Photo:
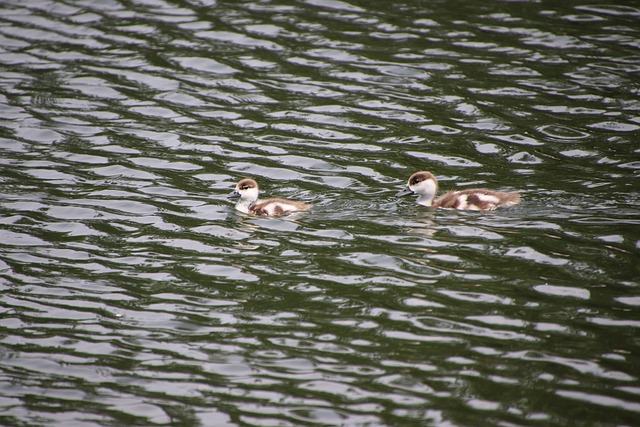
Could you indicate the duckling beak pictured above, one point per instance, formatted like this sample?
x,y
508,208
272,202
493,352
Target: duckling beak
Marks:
x,y
406,191
234,195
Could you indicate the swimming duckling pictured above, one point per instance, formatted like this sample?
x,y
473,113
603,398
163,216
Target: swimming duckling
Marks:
x,y
247,192
425,185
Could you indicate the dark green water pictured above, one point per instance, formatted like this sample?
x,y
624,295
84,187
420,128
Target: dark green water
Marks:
x,y
133,294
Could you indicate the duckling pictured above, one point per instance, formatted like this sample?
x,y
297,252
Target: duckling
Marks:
x,y
425,185
247,192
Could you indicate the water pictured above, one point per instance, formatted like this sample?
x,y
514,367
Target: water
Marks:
x,y
133,294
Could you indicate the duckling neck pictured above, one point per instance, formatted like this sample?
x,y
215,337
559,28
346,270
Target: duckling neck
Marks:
x,y
244,205
425,199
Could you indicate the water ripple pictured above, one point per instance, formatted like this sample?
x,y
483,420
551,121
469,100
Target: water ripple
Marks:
x,y
133,293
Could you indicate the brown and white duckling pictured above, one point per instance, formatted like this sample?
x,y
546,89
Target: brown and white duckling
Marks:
x,y
247,193
425,185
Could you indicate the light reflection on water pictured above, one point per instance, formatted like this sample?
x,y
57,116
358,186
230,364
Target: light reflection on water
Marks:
x,y
133,293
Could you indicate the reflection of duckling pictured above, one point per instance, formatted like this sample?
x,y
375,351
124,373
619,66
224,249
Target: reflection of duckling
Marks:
x,y
247,191
425,185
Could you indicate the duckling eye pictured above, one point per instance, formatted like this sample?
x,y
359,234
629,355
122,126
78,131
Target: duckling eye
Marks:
x,y
244,187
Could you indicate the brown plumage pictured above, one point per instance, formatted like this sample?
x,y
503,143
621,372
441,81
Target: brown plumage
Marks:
x,y
452,199
276,207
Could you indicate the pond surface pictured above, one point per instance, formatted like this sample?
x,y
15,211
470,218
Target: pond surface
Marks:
x,y
133,294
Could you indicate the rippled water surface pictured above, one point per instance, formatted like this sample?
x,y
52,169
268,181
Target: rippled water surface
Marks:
x,y
133,294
